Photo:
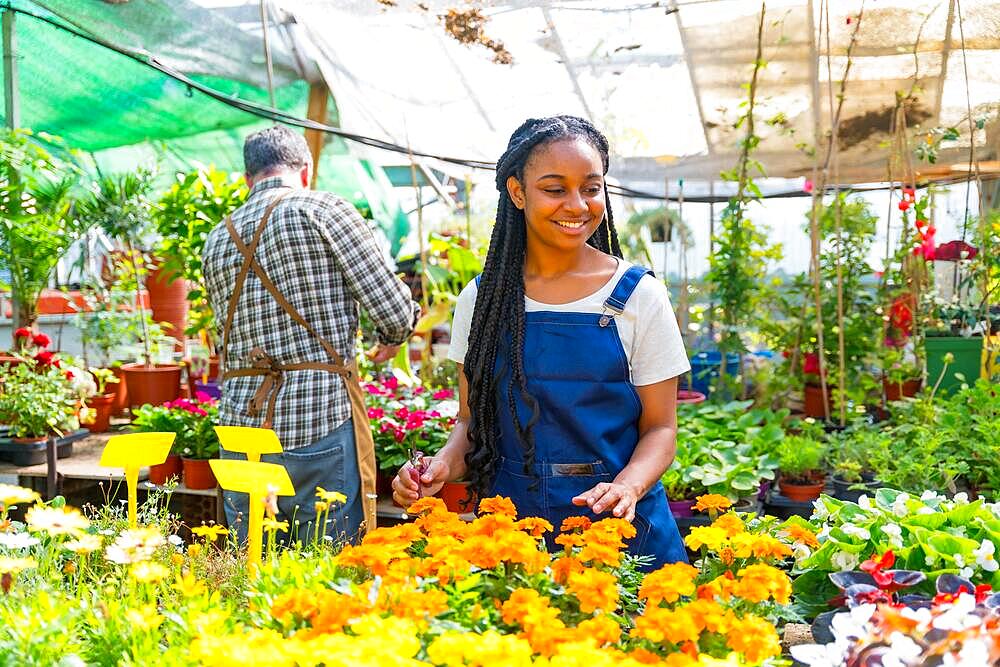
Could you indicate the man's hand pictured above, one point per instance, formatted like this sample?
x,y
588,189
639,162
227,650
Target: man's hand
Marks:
x,y
620,498
382,353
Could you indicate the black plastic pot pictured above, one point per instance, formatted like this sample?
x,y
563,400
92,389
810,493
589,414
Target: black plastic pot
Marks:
x,y
842,489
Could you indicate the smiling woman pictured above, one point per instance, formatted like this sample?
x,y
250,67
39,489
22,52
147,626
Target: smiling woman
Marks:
x,y
569,354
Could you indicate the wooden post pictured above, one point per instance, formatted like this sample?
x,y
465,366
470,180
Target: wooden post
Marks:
x,y
319,98
11,96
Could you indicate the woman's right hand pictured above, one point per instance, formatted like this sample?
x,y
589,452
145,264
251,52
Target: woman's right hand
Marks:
x,y
405,487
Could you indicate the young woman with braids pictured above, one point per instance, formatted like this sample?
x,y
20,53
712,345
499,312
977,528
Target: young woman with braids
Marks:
x,y
568,355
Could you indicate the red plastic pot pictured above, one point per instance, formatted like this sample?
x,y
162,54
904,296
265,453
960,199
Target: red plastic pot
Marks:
x,y
802,493
897,390
813,405
198,474
102,405
154,384
168,302
454,493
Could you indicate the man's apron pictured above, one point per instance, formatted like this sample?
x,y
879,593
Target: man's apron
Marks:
x,y
587,429
273,372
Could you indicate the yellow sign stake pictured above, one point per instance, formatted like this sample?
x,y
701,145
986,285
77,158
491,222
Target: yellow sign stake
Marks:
x,y
132,451
257,480
248,440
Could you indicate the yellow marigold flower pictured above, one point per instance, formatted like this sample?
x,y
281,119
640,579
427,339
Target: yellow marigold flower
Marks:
x,y
321,506
498,505
330,497
176,559
85,544
17,495
594,589
569,540
189,585
800,535
755,638
427,504
534,526
759,582
668,584
489,648
194,550
712,502
144,618
574,523
660,624
15,565
273,525
56,520
709,537
730,523
210,533
765,546
149,573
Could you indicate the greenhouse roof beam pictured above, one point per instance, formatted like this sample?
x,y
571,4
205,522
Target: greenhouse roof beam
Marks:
x,y
567,63
945,54
694,81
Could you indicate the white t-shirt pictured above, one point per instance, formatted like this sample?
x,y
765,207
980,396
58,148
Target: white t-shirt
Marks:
x,y
648,328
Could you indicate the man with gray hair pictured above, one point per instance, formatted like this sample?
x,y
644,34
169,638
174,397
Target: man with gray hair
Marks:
x,y
285,274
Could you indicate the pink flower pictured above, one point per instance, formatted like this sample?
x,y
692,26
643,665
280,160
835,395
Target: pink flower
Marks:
x,y
202,397
807,186
376,413
400,435
384,426
372,389
403,413
391,383
41,340
442,395
418,390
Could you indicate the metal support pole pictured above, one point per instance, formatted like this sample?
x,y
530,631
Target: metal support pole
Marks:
x,y
11,97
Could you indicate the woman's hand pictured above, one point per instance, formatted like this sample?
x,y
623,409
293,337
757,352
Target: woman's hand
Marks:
x,y
619,498
409,485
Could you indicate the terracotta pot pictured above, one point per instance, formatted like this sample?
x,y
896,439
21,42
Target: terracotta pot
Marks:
x,y
161,472
896,390
168,302
8,360
120,404
802,493
198,474
682,508
102,405
32,440
155,384
453,493
813,405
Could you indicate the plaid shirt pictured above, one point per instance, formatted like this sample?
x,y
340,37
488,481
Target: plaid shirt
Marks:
x,y
322,256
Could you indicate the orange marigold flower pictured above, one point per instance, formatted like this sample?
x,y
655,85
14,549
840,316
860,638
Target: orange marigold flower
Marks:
x,y
569,540
620,528
675,660
594,589
605,554
730,523
755,638
534,526
563,567
520,603
498,505
759,582
574,522
708,615
294,606
660,624
601,630
427,504
712,502
491,525
668,583
417,605
721,587
766,546
800,535
337,611
646,657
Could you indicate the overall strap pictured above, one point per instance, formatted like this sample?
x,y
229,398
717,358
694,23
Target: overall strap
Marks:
x,y
615,304
244,269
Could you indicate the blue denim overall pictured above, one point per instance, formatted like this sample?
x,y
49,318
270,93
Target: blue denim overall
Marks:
x,y
587,427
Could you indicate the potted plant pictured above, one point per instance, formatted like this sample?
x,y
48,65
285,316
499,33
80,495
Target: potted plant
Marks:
x,y
734,471
102,402
184,215
193,421
680,487
37,401
801,464
901,377
119,205
854,458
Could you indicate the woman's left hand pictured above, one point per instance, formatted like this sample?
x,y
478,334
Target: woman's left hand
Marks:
x,y
619,498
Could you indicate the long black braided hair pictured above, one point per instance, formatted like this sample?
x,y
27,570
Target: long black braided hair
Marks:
x,y
499,311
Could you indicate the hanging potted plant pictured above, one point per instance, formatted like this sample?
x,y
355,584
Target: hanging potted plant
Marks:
x,y
119,205
802,477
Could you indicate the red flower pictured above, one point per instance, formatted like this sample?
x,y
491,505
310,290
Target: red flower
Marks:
x,y
810,363
786,354
44,357
442,395
391,383
69,375
909,193
418,390
904,205
399,434
920,222
878,569
23,332
41,340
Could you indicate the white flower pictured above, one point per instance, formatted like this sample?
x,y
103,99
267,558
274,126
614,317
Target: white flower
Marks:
x,y
899,505
961,498
926,510
865,503
856,531
985,556
929,495
820,510
922,616
959,615
844,561
974,652
448,408
821,655
966,572
894,533
175,540
801,552
930,559
17,540
904,651
823,533
853,624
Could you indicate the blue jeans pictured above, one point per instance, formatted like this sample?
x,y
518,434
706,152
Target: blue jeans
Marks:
x,y
332,463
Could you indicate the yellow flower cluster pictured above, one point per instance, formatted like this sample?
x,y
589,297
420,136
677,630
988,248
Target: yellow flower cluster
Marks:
x,y
728,538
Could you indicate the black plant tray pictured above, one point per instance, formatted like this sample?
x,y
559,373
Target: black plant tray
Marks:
x,y
34,454
784,508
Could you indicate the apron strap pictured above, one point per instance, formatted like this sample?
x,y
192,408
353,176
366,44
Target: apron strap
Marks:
x,y
623,290
244,269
